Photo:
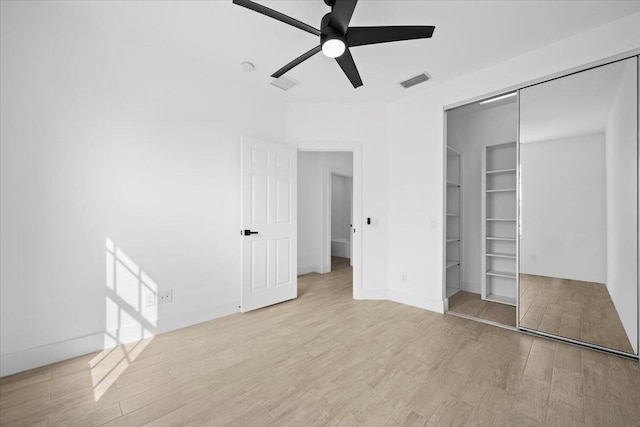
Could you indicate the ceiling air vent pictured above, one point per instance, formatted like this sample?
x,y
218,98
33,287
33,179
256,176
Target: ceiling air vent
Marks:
x,y
285,83
420,78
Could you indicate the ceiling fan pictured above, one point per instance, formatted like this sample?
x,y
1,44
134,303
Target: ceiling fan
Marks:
x,y
336,36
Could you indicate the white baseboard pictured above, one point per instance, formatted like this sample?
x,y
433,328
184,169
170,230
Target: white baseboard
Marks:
x,y
419,301
306,269
370,294
12,363
475,288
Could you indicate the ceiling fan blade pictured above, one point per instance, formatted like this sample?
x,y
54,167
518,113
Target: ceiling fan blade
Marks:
x,y
360,36
299,60
277,15
349,67
341,14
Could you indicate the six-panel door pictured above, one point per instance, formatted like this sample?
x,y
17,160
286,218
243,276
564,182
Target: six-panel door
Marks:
x,y
269,208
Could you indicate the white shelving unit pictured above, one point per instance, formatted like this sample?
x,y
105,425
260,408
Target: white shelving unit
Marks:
x,y
499,223
453,222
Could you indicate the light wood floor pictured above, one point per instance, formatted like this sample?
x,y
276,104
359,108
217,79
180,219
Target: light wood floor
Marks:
x,y
471,304
325,359
574,309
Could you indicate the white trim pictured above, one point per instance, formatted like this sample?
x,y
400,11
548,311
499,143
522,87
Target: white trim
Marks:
x,y
467,286
306,269
420,301
356,149
12,363
372,294
443,221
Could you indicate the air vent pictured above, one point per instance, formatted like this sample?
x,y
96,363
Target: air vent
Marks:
x,y
284,83
420,78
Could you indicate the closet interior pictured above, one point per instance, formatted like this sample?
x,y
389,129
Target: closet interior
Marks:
x,y
481,218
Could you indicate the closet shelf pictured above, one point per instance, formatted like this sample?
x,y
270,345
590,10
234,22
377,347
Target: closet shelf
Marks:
x,y
501,171
501,299
497,202
502,190
507,274
501,255
453,221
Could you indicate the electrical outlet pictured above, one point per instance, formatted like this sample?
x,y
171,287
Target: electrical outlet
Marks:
x,y
165,297
404,277
150,299
434,224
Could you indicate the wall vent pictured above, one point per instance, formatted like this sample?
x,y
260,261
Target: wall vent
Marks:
x,y
285,83
420,78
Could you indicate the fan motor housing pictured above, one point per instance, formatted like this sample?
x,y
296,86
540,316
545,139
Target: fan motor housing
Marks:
x,y
325,28
328,32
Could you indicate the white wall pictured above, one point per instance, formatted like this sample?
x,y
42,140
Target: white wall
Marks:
x,y
622,197
310,208
341,187
110,139
314,169
469,134
367,124
416,151
103,138
564,215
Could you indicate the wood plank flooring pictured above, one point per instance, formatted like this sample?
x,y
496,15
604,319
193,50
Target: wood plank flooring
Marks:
x,y
574,309
471,304
326,359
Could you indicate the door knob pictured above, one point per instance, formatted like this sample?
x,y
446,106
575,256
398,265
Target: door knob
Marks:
x,y
249,232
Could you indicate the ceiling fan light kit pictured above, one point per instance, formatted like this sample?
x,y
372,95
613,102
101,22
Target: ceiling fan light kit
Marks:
x,y
333,48
336,37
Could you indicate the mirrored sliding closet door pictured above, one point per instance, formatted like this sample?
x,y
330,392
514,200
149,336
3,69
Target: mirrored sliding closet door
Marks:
x,y
578,199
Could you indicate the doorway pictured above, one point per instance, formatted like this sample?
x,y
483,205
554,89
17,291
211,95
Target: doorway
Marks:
x,y
321,166
325,188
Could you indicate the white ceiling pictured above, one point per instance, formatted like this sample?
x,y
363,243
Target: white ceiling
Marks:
x,y
578,104
469,35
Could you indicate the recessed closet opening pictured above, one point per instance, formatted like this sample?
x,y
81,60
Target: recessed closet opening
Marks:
x,y
481,210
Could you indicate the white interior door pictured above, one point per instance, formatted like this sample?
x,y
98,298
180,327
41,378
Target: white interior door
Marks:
x,y
269,223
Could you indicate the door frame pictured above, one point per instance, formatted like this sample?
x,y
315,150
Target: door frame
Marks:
x,y
356,149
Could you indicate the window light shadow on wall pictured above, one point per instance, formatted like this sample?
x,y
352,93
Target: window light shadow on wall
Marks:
x,y
131,318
